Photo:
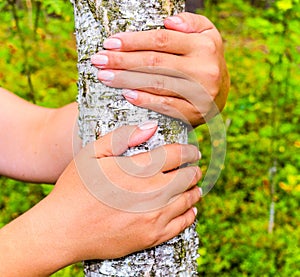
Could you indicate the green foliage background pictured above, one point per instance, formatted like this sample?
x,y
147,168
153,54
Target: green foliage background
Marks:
x,y
38,62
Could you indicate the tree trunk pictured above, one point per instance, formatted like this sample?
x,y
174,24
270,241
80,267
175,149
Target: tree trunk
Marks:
x,y
102,109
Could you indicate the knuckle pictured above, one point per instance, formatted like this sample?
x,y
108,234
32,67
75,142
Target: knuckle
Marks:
x,y
158,84
153,60
195,195
214,92
165,104
194,22
198,174
190,219
217,37
210,45
160,39
214,73
196,118
117,60
193,151
188,199
191,174
184,223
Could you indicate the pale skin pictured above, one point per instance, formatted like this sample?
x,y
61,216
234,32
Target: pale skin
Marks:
x,y
71,225
38,144
188,62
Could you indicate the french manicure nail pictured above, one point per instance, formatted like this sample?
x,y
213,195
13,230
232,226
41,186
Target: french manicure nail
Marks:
x,y
147,125
175,19
195,210
131,94
112,43
105,75
200,155
99,59
201,191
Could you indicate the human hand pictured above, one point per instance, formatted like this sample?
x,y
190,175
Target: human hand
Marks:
x,y
111,229
76,222
179,71
90,213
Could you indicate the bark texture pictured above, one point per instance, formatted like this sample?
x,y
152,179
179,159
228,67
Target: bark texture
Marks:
x,y
102,109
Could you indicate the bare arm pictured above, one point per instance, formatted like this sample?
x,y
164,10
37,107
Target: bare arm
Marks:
x,y
36,142
72,225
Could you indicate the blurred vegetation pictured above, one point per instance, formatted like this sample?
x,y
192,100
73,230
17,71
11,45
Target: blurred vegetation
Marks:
x,y
261,172
38,62
262,164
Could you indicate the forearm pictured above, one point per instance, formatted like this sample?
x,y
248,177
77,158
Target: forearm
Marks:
x,y
36,142
57,143
32,245
71,224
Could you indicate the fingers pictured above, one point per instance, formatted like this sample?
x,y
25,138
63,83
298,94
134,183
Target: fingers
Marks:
x,y
178,225
179,214
153,83
118,141
154,172
201,61
162,159
186,61
142,61
183,179
180,180
153,40
156,84
171,106
197,100
183,203
188,23
176,155
159,40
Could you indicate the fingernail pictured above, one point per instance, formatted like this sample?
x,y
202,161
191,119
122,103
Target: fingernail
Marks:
x,y
131,94
112,43
175,19
147,125
99,59
200,155
201,191
105,75
195,210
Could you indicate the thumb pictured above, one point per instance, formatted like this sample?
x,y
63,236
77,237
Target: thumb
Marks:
x,y
188,23
117,142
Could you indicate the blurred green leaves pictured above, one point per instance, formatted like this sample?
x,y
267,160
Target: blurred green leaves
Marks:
x,y
262,50
262,118
37,48
38,62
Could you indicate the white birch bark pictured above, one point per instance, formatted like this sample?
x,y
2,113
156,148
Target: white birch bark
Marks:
x,y
102,109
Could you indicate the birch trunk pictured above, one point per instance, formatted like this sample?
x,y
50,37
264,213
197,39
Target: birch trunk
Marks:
x,y
102,109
